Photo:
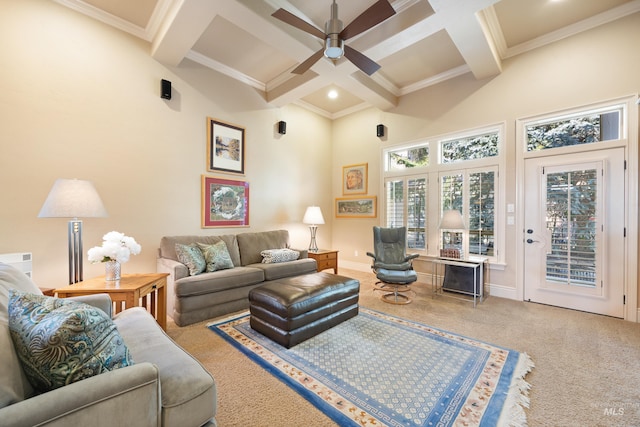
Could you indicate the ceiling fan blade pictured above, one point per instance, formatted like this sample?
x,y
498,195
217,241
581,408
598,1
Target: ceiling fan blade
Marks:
x,y
361,61
302,68
371,17
291,19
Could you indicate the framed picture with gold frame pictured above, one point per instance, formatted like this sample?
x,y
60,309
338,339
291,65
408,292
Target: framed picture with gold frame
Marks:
x,y
225,202
356,207
225,147
355,179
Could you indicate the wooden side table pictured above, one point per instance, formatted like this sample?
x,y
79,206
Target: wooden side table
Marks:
x,y
325,259
145,290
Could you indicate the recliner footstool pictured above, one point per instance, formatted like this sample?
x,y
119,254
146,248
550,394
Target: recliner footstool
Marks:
x,y
294,309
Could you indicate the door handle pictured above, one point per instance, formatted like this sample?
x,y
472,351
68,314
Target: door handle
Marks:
x,y
532,241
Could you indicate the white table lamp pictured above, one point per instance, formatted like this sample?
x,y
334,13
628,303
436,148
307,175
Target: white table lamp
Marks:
x,y
313,216
73,198
452,221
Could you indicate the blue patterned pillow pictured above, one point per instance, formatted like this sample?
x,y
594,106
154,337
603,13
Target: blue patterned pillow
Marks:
x,y
60,341
216,256
192,257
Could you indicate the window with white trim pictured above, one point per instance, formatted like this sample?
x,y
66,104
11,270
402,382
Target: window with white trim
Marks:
x,y
465,177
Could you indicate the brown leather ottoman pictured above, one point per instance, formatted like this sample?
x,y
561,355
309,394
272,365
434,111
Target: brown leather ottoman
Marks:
x,y
294,309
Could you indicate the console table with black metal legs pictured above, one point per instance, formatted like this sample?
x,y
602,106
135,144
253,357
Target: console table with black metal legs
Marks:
x,y
462,278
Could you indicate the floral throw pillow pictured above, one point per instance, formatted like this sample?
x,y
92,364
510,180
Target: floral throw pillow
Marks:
x,y
192,257
60,341
272,256
216,256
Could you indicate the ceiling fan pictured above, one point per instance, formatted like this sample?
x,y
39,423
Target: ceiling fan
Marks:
x,y
334,35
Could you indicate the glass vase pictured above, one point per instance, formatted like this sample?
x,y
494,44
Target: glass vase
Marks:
x,y
112,270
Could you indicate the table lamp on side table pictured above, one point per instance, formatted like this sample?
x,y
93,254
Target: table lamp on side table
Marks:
x,y
313,216
451,222
73,198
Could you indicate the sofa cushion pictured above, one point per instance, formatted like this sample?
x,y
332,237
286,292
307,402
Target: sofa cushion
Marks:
x,y
60,341
273,256
252,244
168,243
14,385
216,256
192,257
188,390
287,269
217,281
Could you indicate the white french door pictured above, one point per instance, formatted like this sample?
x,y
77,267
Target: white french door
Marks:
x,y
574,254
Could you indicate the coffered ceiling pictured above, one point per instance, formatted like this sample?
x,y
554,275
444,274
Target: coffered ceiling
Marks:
x,y
424,43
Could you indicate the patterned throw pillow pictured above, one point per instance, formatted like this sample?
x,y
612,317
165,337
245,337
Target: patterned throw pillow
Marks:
x,y
60,341
272,256
216,256
192,257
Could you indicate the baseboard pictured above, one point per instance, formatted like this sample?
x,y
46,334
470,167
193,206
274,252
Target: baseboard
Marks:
x,y
502,292
358,266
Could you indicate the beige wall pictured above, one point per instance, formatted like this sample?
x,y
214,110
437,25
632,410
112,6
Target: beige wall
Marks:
x,y
595,66
81,99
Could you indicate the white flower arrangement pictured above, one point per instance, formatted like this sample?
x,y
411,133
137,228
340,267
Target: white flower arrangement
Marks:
x,y
115,247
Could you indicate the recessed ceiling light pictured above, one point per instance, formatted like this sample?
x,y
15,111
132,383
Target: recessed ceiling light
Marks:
x,y
333,94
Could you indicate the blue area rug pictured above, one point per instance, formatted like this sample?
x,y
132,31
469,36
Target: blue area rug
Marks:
x,y
379,370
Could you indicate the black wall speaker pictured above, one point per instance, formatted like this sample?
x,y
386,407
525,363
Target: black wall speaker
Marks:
x,y
380,131
165,89
282,127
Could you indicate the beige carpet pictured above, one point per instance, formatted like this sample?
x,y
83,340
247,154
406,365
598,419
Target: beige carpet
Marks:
x,y
587,367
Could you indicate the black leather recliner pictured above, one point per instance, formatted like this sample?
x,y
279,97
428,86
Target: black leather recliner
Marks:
x,y
391,264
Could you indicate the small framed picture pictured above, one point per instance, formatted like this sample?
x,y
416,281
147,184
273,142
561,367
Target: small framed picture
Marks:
x,y
356,207
354,179
225,203
225,147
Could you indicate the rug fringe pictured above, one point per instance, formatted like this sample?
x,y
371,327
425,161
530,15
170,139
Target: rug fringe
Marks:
x,y
518,395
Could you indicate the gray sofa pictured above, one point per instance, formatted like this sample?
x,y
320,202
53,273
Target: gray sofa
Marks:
x,y
192,299
164,387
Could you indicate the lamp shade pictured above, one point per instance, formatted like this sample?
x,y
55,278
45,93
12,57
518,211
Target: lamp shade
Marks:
x,y
451,220
313,216
72,198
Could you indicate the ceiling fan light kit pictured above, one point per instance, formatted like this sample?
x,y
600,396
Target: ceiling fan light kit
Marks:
x,y
335,35
334,48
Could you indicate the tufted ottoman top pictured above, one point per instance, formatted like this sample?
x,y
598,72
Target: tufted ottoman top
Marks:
x,y
293,296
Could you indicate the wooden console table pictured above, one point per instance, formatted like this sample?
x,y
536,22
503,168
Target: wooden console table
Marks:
x,y
325,259
144,290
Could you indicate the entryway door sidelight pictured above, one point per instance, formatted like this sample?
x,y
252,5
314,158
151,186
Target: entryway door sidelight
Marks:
x,y
574,251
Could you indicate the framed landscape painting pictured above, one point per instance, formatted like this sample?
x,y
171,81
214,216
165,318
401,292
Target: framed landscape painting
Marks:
x,y
225,203
225,147
354,179
356,207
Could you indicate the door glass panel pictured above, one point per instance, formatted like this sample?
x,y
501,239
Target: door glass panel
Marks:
x,y
571,218
452,187
416,213
481,213
395,203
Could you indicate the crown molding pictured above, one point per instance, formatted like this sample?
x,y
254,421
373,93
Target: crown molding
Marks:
x,y
106,18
